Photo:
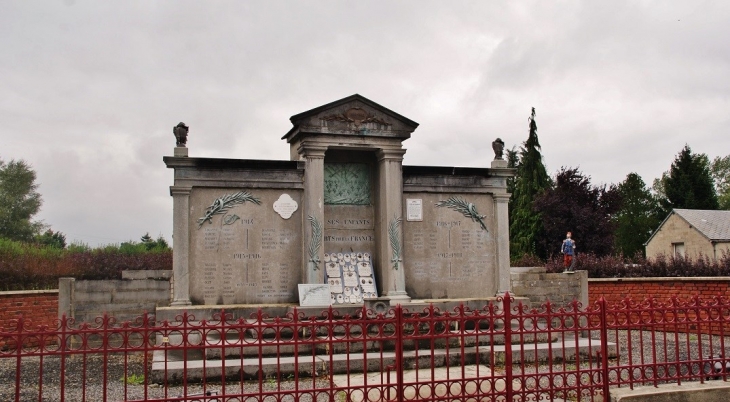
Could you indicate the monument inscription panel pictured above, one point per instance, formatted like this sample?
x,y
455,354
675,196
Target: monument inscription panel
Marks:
x,y
248,253
448,254
348,228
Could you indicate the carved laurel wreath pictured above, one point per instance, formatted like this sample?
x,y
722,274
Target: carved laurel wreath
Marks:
x,y
354,115
315,242
223,204
467,209
394,236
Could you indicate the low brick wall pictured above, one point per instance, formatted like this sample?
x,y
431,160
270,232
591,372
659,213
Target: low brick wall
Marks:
x,y
662,289
38,307
616,289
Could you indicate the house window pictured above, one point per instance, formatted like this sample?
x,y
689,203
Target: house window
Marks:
x,y
678,249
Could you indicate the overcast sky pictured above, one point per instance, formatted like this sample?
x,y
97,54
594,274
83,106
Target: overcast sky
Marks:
x,y
90,90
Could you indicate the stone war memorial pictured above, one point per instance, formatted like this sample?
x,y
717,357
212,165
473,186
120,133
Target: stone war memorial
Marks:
x,y
342,223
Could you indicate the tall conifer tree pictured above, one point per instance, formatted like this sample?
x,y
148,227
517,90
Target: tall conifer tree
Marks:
x,y
531,180
689,183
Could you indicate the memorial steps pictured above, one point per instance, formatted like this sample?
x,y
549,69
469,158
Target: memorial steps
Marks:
x,y
256,349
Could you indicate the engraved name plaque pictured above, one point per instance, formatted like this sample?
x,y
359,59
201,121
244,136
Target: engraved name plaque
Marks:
x,y
314,294
414,210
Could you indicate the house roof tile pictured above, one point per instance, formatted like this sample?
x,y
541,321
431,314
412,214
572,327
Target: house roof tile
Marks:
x,y
715,225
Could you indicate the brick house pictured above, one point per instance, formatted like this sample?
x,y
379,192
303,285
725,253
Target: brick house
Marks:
x,y
691,232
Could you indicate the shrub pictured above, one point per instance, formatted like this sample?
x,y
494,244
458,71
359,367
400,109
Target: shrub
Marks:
x,y
31,266
638,266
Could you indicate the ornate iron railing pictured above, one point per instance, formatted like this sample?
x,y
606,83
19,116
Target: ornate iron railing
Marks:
x,y
503,351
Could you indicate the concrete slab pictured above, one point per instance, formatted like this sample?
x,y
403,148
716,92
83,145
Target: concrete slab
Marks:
x,y
468,383
710,391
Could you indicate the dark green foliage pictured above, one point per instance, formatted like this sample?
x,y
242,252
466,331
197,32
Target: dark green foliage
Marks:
x,y
532,179
19,201
720,168
51,239
689,183
638,217
639,267
574,205
513,161
25,266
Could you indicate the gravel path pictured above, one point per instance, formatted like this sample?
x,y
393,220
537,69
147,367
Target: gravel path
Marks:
x,y
94,386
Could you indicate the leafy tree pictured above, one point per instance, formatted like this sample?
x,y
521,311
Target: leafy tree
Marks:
x,y
19,201
532,179
689,183
146,244
149,244
720,169
51,239
574,205
639,215
161,243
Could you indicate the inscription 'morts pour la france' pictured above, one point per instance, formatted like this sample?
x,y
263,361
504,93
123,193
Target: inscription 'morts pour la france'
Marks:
x,y
349,238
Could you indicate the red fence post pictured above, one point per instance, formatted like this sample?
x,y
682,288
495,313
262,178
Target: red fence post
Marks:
x,y
398,352
507,308
19,354
62,349
604,347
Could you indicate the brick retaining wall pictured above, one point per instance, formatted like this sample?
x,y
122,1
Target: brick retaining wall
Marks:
x,y
40,307
615,289
662,289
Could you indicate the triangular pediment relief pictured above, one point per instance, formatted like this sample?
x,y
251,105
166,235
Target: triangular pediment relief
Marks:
x,y
354,115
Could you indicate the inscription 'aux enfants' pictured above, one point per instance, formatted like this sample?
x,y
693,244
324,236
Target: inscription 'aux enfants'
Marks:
x,y
337,222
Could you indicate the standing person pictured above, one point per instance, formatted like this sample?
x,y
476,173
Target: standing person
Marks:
x,y
568,250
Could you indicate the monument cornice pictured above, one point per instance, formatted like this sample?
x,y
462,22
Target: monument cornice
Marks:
x,y
501,197
180,190
502,172
312,150
390,154
223,163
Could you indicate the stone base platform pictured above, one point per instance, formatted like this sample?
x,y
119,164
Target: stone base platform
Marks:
x,y
380,304
174,370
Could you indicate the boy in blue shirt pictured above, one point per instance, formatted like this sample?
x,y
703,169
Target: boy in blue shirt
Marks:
x,y
568,250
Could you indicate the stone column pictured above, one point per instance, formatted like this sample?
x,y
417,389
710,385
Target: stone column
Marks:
x,y
501,218
180,245
313,248
389,219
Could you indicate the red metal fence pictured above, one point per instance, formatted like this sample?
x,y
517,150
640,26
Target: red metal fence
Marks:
x,y
504,351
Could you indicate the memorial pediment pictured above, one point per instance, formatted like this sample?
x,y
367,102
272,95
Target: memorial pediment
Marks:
x,y
351,116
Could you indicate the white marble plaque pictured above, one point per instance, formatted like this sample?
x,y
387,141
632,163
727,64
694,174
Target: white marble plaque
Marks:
x,y
314,294
368,287
364,269
333,270
285,206
351,279
414,209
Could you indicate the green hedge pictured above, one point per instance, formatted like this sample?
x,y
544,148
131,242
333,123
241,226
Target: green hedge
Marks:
x,y
639,267
28,266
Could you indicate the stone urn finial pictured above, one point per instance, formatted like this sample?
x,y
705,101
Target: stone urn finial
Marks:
x,y
498,147
181,134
